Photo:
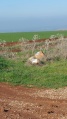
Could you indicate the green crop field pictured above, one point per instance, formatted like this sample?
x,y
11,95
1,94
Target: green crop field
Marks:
x,y
9,37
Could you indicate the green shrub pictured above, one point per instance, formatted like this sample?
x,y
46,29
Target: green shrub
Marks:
x,y
3,63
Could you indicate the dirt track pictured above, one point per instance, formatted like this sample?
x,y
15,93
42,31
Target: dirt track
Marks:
x,y
18,102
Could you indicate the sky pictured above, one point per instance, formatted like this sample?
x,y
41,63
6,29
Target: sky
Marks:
x,y
32,15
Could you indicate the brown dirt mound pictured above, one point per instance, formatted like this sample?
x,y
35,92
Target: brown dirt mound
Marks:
x,y
18,102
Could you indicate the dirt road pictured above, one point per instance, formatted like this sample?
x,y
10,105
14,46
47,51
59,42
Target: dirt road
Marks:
x,y
18,102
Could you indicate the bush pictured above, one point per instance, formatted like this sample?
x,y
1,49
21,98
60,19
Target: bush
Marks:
x,y
4,64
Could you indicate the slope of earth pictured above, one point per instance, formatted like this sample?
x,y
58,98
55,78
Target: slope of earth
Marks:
x,y
18,102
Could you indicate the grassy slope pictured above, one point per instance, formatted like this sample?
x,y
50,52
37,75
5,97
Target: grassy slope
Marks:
x,y
29,35
51,75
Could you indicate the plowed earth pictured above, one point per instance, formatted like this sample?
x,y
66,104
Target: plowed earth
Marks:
x,y
19,102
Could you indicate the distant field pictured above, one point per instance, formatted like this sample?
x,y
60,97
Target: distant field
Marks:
x,y
29,35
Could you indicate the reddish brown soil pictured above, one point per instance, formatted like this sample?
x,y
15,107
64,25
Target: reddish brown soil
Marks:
x,y
15,43
9,44
30,41
18,102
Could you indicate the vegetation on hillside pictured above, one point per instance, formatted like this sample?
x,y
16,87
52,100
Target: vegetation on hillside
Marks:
x,y
52,74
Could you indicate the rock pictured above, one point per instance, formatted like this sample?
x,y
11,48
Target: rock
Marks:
x,y
33,60
38,58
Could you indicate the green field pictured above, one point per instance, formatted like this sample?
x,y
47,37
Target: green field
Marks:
x,y
29,35
51,75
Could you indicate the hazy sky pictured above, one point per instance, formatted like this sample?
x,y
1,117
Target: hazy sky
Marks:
x,y
32,15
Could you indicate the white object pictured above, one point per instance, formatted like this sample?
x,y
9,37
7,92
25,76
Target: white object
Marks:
x,y
32,60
